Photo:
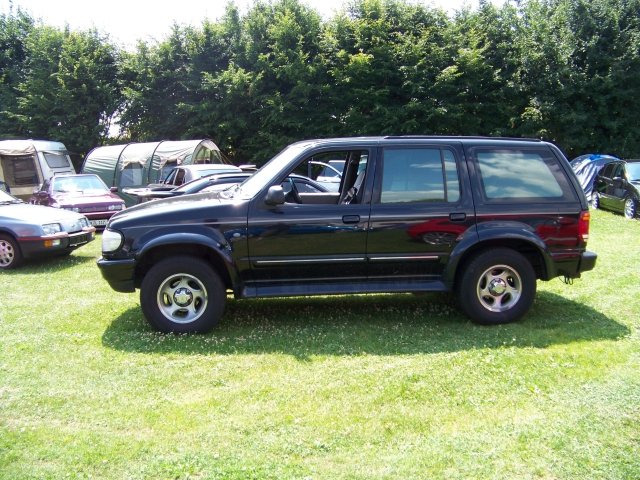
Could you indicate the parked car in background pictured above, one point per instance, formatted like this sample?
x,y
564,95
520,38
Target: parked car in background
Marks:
x,y
179,176
327,172
32,231
81,193
292,186
587,167
617,188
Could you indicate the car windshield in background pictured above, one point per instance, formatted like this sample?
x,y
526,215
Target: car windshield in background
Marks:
x,y
633,171
80,183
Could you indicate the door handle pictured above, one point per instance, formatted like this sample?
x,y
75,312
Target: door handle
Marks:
x,y
457,217
350,219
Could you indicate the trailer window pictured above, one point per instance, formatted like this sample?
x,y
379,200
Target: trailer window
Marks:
x,y
56,160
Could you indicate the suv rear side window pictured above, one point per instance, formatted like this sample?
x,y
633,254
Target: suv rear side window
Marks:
x,y
509,174
419,175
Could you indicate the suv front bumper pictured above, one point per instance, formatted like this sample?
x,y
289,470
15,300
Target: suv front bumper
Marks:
x,y
118,273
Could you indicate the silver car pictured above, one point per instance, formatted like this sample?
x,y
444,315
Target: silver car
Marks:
x,y
33,231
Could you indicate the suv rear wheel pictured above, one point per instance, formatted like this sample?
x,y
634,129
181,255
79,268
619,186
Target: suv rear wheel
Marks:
x,y
182,294
497,286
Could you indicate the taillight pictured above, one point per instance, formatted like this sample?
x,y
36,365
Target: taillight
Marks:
x,y
583,225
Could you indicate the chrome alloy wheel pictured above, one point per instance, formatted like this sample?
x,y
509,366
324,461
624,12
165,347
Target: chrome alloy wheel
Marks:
x,y
7,253
629,208
499,288
182,298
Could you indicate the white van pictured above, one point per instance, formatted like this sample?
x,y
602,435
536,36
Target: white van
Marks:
x,y
25,164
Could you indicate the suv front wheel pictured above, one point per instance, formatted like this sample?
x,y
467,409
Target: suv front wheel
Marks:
x,y
497,286
182,294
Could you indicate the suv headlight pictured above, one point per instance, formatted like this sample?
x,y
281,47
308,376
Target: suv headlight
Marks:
x,y
111,240
51,228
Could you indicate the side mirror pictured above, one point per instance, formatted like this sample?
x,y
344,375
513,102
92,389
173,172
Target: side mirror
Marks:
x,y
113,189
275,195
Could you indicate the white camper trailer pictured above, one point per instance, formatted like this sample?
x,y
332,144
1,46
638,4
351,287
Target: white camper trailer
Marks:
x,y
25,164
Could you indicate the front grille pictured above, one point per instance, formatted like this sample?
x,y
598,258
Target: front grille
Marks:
x,y
79,239
99,208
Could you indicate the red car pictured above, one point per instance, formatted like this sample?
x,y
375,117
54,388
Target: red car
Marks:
x,y
82,193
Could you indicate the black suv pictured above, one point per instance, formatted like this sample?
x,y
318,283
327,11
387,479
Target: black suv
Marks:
x,y
481,217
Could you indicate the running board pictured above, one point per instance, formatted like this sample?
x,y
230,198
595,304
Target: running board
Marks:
x,y
263,289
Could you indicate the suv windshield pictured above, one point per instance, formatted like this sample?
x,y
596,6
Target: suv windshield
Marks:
x,y
256,182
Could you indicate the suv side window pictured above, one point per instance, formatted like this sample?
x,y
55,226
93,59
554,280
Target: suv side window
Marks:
x,y
510,174
419,175
345,187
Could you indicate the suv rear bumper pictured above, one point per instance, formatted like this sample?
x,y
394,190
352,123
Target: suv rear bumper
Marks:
x,y
118,273
587,261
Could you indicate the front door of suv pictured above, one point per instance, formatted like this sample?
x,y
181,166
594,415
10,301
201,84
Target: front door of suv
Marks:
x,y
420,211
311,237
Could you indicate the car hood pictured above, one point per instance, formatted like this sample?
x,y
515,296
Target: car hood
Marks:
x,y
36,213
88,199
183,208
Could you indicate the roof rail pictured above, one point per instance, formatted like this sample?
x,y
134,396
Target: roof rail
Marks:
x,y
472,137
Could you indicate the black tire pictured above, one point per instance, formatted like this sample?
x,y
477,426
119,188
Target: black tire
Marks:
x,y
497,286
182,294
595,201
630,208
10,254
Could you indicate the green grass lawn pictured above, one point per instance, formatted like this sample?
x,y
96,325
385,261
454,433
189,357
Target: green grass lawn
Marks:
x,y
360,387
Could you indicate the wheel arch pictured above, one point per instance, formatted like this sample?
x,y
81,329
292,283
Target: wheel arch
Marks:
x,y
529,248
216,254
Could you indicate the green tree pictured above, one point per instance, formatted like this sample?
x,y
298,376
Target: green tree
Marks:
x,y
14,31
157,83
69,88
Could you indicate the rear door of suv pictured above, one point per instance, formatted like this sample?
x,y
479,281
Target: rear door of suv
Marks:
x,y
421,208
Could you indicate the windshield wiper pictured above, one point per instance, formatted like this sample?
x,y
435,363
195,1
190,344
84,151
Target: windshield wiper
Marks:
x,y
231,191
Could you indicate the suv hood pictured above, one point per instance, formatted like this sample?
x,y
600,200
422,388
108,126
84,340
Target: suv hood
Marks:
x,y
174,210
